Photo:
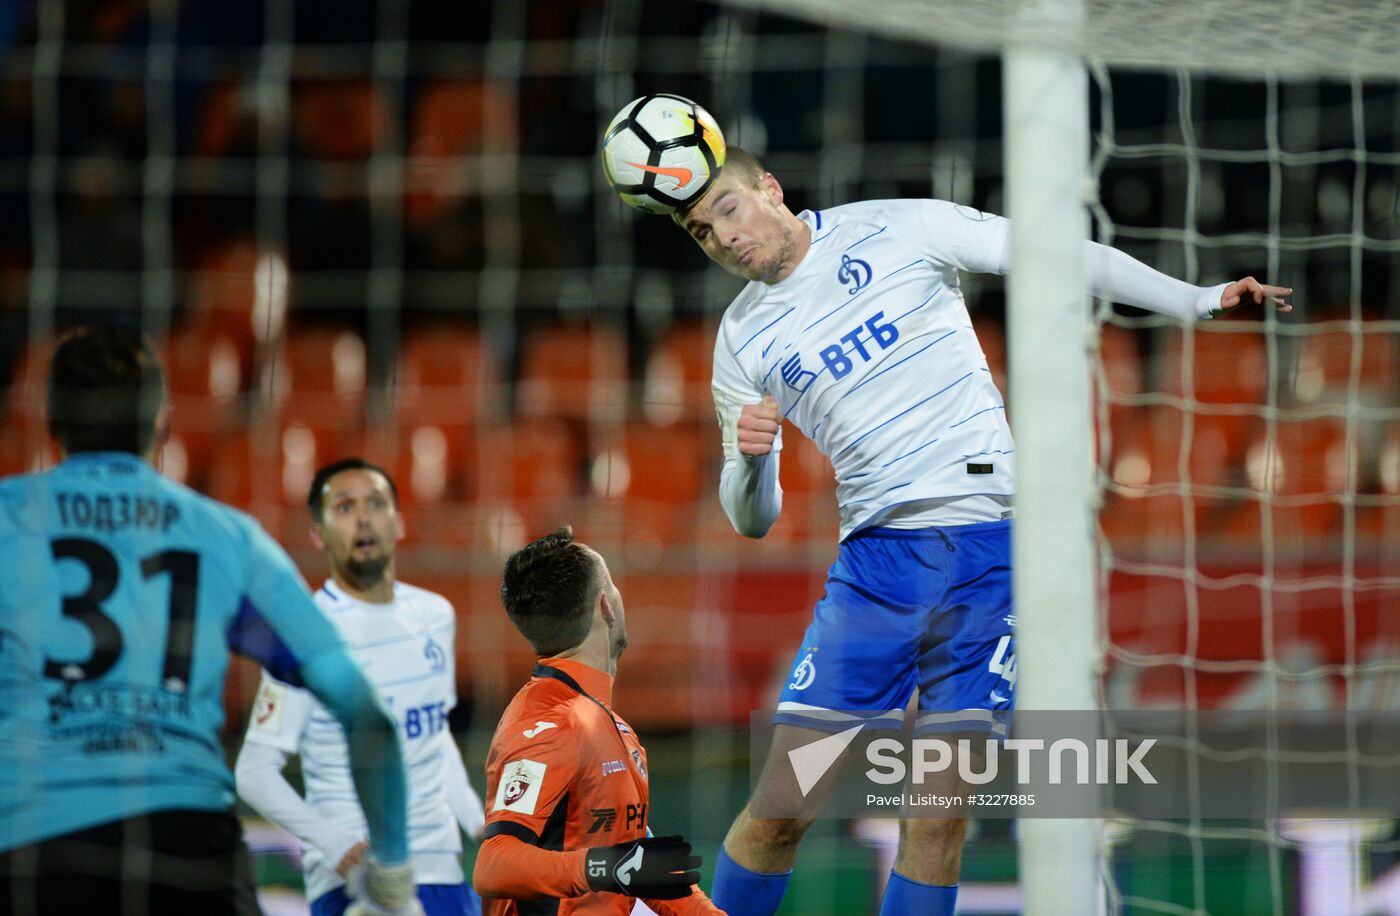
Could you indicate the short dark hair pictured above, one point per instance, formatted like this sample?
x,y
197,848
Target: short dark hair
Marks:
x,y
106,389
739,160
323,476
548,590
736,160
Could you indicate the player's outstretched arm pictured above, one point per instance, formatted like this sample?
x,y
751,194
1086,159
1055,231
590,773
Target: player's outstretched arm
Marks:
x,y
1119,277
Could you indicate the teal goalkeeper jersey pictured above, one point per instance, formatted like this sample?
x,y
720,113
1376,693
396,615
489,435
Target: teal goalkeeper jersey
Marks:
x,y
121,594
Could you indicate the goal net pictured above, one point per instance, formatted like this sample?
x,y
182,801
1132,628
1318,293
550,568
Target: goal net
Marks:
x,y
381,229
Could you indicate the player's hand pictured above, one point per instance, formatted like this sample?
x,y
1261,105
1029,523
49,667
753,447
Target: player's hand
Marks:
x,y
385,890
1249,290
661,868
352,858
758,427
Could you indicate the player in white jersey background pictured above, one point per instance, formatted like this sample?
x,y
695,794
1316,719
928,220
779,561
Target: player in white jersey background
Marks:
x,y
403,637
854,329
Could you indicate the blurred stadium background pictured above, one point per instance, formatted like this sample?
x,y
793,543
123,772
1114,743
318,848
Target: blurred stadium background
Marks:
x,y
380,228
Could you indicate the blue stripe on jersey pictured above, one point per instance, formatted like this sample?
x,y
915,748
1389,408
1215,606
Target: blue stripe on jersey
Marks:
x,y
898,486
931,297
817,214
866,239
870,378
907,454
993,452
322,763
977,414
884,423
409,680
403,637
769,347
251,635
764,328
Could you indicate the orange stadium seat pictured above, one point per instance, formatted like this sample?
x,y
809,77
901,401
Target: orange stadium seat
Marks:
x,y
1149,446
650,478
809,493
206,374
1380,523
319,380
1304,475
535,472
450,118
991,334
576,371
446,377
1229,363
27,445
670,665
1229,367
340,120
1329,357
230,299
677,383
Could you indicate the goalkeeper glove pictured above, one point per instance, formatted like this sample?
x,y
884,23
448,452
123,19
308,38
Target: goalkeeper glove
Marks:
x,y
384,890
661,868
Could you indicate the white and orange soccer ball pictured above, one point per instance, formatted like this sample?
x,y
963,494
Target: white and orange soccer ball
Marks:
x,y
661,152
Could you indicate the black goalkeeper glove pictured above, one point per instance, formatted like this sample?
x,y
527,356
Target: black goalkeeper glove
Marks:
x,y
661,868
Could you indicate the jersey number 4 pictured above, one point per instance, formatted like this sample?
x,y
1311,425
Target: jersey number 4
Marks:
x,y
86,609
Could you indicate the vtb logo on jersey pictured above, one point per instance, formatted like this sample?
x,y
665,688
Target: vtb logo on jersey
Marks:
x,y
794,376
855,272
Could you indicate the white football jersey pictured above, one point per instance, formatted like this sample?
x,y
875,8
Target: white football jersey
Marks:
x,y
868,349
406,650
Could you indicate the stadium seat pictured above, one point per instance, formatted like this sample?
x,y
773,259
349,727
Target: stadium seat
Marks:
x,y
535,471
1379,523
450,118
446,377
234,296
340,120
653,476
1328,357
27,445
206,373
1229,363
809,494
1144,505
674,647
1303,472
991,333
677,382
319,380
575,371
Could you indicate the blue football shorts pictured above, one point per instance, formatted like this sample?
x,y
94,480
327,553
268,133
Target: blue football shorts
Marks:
x,y
905,609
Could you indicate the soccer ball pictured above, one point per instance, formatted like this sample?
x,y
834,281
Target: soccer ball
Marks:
x,y
662,152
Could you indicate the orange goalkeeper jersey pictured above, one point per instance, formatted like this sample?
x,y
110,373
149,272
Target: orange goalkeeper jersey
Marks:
x,y
564,774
